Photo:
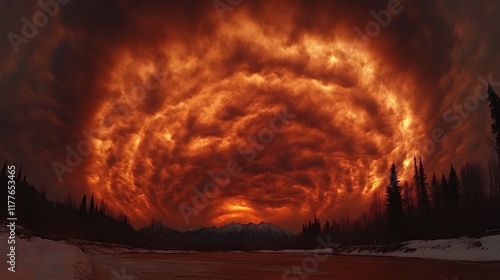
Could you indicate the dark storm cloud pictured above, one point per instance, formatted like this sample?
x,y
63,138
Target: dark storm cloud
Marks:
x,y
218,82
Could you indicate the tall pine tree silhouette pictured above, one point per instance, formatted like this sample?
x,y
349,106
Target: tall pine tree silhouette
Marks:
x,y
83,205
454,202
453,188
422,186
92,205
444,189
495,115
423,199
394,205
436,191
417,180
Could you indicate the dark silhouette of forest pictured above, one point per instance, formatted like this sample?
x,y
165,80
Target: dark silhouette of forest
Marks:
x,y
93,221
462,202
57,220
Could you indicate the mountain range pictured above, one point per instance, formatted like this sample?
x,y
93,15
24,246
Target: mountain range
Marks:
x,y
234,236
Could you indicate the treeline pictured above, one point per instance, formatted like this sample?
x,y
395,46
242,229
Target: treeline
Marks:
x,y
459,204
89,220
463,203
57,220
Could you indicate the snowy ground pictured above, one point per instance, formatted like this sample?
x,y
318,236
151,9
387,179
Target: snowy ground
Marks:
x,y
314,251
38,258
483,249
97,248
42,259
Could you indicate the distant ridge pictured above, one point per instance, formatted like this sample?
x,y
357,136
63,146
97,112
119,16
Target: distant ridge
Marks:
x,y
233,236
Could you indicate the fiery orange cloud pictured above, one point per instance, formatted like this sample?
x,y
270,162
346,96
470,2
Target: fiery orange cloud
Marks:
x,y
330,152
171,92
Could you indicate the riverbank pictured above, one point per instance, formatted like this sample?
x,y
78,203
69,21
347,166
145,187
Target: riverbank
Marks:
x,y
484,249
76,259
37,258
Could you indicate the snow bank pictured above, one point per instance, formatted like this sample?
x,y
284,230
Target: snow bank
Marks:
x,y
291,251
97,248
38,258
483,249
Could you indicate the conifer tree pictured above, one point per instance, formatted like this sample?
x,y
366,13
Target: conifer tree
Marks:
x,y
494,104
453,188
444,189
394,204
417,180
436,191
423,199
92,205
83,205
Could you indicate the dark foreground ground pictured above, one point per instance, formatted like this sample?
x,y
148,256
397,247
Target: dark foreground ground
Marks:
x,y
216,265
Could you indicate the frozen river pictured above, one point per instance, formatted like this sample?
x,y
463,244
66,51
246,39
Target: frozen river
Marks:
x,y
234,265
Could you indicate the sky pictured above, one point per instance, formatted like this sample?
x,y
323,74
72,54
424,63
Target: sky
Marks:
x,y
200,113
